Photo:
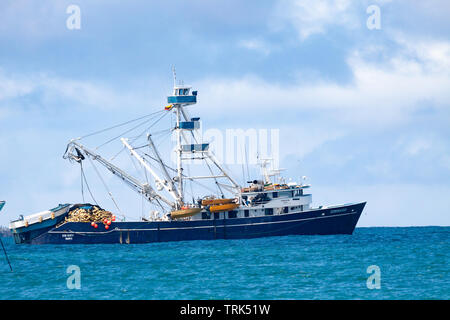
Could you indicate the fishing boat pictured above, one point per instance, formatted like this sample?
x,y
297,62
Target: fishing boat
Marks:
x,y
263,207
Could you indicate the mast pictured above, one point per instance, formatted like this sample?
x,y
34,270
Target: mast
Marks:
x,y
174,76
179,165
180,98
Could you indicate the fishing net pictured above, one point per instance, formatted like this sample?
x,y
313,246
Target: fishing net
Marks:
x,y
88,213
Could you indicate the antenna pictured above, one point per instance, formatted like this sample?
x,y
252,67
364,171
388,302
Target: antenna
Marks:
x,y
174,76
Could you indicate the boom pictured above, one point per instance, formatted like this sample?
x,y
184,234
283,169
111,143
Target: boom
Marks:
x,y
76,151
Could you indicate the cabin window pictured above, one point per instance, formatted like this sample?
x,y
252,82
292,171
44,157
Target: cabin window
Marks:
x,y
186,91
246,213
275,195
268,211
285,194
286,209
206,215
232,214
216,215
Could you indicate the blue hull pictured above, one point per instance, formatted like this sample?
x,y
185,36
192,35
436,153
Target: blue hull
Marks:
x,y
335,220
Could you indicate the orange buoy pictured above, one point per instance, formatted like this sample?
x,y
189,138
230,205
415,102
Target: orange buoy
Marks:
x,y
106,227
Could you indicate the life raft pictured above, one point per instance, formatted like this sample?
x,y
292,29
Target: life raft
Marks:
x,y
211,202
184,213
223,207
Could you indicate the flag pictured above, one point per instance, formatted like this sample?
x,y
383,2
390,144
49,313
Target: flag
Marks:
x,y
169,107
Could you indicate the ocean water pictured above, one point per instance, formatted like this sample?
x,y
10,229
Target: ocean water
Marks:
x,y
413,264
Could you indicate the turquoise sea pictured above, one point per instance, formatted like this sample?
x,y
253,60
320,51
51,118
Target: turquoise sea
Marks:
x,y
413,264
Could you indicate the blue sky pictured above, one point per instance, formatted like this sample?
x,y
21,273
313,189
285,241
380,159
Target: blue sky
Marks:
x,y
364,114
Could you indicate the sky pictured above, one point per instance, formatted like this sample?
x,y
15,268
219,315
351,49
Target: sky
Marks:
x,y
363,113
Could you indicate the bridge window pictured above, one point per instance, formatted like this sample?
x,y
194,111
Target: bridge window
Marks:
x,y
206,215
232,214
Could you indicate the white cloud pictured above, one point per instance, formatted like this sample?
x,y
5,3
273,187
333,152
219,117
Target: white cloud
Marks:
x,y
49,91
419,145
255,45
432,53
315,16
377,95
10,88
382,93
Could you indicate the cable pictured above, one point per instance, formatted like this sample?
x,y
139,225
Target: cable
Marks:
x,y
110,140
106,187
119,125
81,178
87,185
6,255
123,148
